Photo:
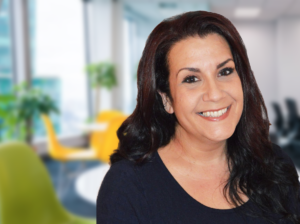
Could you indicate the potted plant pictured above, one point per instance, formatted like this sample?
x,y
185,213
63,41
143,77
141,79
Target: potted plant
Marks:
x,y
29,103
101,74
8,118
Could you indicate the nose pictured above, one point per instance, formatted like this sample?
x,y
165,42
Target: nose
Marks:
x,y
213,91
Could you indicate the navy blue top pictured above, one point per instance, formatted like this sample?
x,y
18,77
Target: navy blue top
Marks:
x,y
149,194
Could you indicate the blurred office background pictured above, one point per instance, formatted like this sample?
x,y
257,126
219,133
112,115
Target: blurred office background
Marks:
x,y
49,43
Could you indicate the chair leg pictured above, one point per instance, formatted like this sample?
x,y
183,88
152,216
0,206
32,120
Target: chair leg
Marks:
x,y
73,174
65,177
60,181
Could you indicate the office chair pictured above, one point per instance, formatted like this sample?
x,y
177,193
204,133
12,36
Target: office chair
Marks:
x,y
279,121
26,192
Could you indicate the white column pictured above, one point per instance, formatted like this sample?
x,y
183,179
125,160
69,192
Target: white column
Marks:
x,y
87,43
20,40
105,19
118,54
99,15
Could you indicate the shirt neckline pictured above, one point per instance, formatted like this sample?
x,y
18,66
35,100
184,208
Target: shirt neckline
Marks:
x,y
189,197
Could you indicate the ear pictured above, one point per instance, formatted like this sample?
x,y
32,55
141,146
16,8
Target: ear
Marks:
x,y
167,102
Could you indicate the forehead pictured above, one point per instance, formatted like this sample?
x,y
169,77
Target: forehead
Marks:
x,y
212,48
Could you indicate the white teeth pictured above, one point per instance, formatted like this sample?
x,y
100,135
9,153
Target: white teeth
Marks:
x,y
214,113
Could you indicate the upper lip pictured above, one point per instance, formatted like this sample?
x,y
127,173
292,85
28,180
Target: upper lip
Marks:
x,y
214,109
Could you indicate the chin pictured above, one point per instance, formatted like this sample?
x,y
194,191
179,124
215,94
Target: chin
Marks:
x,y
220,136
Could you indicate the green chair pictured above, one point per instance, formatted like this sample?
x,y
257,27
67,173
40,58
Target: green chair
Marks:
x,y
26,192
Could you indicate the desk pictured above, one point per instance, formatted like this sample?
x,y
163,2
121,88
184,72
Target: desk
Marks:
x,y
88,183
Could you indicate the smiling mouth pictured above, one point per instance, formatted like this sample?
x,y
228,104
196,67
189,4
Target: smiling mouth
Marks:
x,y
218,113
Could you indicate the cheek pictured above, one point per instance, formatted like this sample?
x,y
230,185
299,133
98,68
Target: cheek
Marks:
x,y
238,95
239,92
185,101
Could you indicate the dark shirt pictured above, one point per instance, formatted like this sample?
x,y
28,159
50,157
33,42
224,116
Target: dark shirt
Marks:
x,y
149,194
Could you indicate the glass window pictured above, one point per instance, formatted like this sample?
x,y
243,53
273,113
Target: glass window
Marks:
x,y
58,60
5,45
5,67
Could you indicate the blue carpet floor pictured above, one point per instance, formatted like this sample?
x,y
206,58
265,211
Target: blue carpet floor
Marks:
x,y
69,198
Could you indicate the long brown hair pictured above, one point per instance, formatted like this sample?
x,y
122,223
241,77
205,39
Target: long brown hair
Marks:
x,y
254,167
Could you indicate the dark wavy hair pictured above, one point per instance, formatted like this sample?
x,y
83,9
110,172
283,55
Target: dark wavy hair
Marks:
x,y
255,167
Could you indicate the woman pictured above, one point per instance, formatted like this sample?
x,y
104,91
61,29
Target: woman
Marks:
x,y
196,148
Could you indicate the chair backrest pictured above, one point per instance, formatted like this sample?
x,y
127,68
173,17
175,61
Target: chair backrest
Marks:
x,y
53,143
107,115
292,113
97,137
279,122
111,140
26,192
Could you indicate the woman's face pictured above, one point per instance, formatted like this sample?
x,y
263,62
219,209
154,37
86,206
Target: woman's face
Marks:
x,y
204,84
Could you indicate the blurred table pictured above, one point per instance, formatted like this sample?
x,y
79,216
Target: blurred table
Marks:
x,y
88,183
90,127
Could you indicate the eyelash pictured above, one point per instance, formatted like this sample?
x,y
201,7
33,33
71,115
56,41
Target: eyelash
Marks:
x,y
188,79
227,72
230,70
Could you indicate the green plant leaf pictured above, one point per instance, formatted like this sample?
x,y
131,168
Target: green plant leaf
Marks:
x,y
16,111
102,74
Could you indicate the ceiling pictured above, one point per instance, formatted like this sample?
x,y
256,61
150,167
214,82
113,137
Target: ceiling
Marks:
x,y
159,9
270,9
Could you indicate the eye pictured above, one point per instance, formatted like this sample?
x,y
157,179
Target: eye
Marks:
x,y
226,71
190,79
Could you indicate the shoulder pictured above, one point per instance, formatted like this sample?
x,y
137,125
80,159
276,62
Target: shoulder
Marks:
x,y
121,196
282,155
288,169
122,169
121,177
285,168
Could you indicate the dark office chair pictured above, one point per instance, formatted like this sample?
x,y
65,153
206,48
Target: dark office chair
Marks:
x,y
293,120
293,124
279,121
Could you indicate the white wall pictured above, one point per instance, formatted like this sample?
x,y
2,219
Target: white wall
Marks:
x,y
260,42
288,59
274,54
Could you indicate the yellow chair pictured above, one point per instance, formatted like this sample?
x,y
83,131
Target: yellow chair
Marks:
x,y
111,139
97,138
102,144
63,153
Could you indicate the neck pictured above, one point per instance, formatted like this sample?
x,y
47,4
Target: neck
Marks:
x,y
198,151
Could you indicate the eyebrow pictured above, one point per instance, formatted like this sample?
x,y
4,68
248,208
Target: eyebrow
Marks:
x,y
191,69
224,63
